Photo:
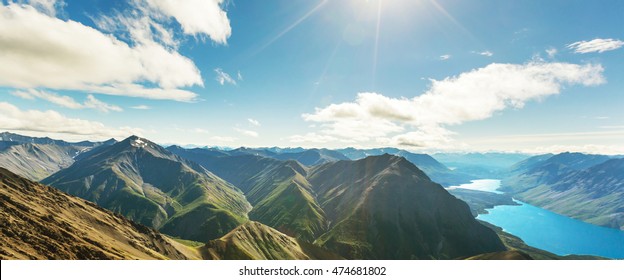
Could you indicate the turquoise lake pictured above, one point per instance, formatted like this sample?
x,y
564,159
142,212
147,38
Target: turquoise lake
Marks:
x,y
552,232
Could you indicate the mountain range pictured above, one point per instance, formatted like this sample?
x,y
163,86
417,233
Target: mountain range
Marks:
x,y
267,204
149,185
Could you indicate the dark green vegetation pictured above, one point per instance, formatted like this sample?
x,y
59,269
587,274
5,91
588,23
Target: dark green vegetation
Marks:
x,y
40,222
380,207
479,201
384,207
149,185
585,187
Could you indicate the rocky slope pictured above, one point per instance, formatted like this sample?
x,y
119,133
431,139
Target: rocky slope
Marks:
x,y
40,222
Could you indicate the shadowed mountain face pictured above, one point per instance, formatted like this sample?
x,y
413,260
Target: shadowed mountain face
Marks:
x,y
384,207
380,207
40,222
594,195
154,187
278,190
255,241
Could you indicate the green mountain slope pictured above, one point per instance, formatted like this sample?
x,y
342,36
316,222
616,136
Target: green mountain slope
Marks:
x,y
255,241
40,222
384,207
152,186
278,190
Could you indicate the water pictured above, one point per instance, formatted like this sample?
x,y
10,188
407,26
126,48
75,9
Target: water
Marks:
x,y
552,232
486,185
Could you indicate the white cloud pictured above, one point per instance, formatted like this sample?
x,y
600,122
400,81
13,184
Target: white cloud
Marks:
x,y
239,76
253,122
474,95
245,132
223,77
313,138
197,17
44,51
66,101
485,53
551,52
596,45
141,107
14,119
586,149
445,57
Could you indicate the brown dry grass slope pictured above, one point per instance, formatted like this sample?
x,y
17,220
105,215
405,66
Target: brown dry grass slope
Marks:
x,y
40,222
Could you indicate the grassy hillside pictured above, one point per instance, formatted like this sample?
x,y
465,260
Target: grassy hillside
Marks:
x,y
40,222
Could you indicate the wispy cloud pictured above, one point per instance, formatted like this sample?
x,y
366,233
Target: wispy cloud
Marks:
x,y
246,132
239,76
253,122
66,101
223,78
141,107
485,53
15,119
445,57
474,95
596,45
48,7
551,52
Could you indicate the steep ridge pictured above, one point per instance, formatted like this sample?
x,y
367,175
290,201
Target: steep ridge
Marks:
x,y
594,195
40,222
154,187
384,207
255,241
278,190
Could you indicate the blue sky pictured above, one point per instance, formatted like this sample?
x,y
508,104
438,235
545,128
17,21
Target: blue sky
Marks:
x,y
533,76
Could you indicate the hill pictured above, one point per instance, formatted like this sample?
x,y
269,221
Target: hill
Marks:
x,y
40,222
255,241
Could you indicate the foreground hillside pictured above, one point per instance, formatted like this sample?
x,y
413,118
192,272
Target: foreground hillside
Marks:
x,y
255,241
40,222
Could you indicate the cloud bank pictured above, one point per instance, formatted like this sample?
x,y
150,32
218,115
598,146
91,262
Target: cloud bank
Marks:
x,y
471,96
